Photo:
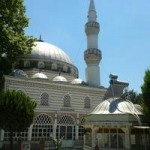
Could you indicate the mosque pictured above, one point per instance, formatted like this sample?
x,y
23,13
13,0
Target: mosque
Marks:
x,y
85,113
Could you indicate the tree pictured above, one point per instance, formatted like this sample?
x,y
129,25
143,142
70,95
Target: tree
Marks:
x,y
16,112
145,88
132,96
13,41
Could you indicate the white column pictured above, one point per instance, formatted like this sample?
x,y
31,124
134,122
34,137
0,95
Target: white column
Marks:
x,y
127,138
77,127
30,132
54,131
55,126
77,132
93,137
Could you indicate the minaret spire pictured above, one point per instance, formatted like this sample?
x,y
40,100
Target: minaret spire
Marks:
x,y
92,16
92,55
92,6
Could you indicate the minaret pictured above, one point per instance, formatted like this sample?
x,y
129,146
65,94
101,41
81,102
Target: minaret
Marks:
x,y
92,55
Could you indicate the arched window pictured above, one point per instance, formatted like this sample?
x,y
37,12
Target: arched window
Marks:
x,y
72,71
44,99
66,127
87,102
65,68
41,65
54,66
67,120
67,101
26,64
42,128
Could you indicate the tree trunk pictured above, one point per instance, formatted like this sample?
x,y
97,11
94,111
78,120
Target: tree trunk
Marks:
x,y
1,83
11,140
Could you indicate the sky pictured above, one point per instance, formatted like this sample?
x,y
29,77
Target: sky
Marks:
x,y
124,37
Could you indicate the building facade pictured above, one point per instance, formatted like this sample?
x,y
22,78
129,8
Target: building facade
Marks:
x,y
50,78
68,107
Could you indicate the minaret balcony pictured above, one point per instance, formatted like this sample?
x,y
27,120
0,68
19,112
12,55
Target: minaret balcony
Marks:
x,y
92,28
92,56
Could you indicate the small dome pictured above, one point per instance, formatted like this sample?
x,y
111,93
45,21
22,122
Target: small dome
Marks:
x,y
116,106
77,81
60,79
18,73
39,76
43,50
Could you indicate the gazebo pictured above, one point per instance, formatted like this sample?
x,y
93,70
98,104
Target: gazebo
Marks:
x,y
116,124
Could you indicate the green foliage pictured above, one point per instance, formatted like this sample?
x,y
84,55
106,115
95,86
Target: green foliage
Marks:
x,y
16,111
145,88
132,96
13,41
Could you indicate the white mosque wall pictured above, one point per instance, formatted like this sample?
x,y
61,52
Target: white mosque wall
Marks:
x,y
56,92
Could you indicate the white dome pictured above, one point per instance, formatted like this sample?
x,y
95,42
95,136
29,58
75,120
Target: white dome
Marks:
x,y
77,81
116,106
39,76
48,51
60,79
18,73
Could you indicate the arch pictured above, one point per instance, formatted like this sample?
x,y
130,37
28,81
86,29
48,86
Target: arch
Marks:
x,y
44,98
27,64
87,102
67,120
42,127
54,66
41,65
67,100
43,119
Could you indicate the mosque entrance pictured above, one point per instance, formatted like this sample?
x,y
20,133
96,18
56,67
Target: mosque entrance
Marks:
x,y
66,129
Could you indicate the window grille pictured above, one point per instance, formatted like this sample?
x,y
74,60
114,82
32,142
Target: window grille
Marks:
x,y
44,98
67,120
81,133
67,101
16,136
87,102
42,128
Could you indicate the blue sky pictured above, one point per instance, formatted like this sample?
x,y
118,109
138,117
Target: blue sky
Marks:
x,y
124,38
